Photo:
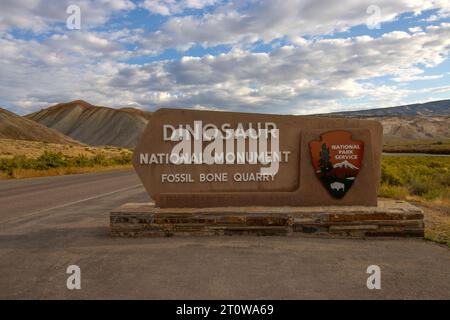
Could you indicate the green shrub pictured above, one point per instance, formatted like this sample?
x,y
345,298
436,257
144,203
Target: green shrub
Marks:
x,y
123,159
49,160
81,161
99,160
427,177
425,186
390,176
7,166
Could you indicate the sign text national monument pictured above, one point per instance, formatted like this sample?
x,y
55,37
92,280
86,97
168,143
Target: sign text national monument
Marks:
x,y
205,170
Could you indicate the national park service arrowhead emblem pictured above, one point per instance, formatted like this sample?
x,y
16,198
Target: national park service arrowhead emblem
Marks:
x,y
336,160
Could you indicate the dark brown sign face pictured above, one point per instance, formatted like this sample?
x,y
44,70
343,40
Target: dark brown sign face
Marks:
x,y
189,158
337,159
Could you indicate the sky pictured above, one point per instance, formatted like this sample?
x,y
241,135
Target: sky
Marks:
x,y
265,56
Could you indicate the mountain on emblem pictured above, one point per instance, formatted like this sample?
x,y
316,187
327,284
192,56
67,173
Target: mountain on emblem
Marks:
x,y
345,164
337,159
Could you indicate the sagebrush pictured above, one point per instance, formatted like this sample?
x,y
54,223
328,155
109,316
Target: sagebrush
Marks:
x,y
427,177
50,160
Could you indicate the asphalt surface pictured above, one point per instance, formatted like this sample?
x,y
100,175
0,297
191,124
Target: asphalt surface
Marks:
x,y
29,196
50,223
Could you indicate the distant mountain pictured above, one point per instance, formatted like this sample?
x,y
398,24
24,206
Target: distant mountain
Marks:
x,y
13,126
433,108
95,125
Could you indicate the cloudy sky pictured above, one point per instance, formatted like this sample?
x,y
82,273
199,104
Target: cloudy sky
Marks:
x,y
287,56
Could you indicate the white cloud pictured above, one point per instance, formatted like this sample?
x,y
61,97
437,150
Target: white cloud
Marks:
x,y
267,20
170,7
314,76
415,29
41,15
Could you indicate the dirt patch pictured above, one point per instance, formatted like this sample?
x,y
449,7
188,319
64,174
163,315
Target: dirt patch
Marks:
x,y
437,222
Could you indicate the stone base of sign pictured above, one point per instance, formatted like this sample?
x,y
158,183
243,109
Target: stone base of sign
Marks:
x,y
390,218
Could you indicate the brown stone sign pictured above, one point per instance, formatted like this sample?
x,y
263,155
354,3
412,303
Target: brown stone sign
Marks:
x,y
196,159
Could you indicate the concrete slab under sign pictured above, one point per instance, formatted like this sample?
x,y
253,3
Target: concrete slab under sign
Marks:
x,y
391,218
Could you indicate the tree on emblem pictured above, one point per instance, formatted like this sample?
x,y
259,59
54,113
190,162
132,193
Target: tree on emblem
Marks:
x,y
324,161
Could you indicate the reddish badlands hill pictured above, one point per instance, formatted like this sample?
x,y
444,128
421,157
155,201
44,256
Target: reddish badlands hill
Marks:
x,y
13,126
95,125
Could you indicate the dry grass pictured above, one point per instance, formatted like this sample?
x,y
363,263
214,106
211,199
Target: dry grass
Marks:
x,y
32,173
437,221
395,192
33,149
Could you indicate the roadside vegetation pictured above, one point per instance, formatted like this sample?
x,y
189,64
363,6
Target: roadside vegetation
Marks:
x,y
418,146
425,181
27,159
9,148
416,176
56,163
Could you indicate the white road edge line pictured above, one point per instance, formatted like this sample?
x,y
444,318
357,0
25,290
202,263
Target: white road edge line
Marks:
x,y
69,204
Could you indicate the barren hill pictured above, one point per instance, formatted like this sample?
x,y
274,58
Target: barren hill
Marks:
x,y
145,114
415,128
13,126
95,125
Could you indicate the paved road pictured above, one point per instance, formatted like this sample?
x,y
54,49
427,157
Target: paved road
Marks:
x,y
30,196
36,247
